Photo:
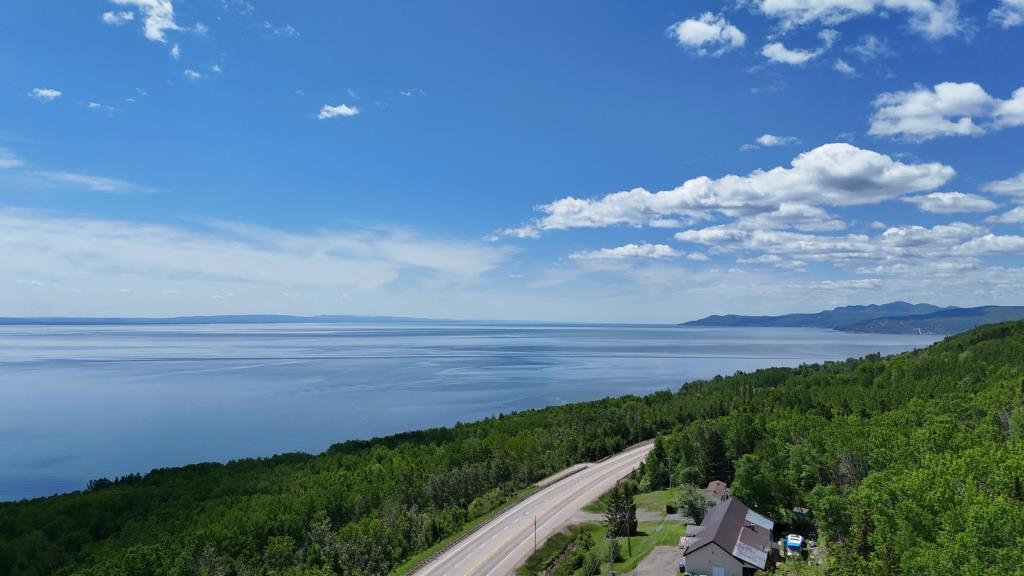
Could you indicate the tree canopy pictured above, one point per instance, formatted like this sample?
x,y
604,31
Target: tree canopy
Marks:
x,y
912,464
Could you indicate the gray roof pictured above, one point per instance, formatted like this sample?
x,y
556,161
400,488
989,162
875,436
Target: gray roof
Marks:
x,y
738,530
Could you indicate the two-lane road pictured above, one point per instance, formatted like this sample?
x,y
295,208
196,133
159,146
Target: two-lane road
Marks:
x,y
505,542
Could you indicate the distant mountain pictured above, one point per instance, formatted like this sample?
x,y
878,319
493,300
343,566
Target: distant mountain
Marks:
x,y
949,321
836,319
230,319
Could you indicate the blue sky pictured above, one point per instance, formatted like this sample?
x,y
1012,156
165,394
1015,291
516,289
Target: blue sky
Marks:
x,y
606,161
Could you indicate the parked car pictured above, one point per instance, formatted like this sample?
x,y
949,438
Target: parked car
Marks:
x,y
794,543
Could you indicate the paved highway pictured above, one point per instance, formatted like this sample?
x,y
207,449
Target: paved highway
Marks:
x,y
498,547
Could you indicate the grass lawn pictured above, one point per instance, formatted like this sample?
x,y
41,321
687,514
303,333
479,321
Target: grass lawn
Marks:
x,y
653,501
656,501
650,534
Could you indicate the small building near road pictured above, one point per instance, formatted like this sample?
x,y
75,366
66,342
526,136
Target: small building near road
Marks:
x,y
733,540
717,491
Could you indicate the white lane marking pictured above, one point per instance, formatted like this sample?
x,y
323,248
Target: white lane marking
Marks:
x,y
548,493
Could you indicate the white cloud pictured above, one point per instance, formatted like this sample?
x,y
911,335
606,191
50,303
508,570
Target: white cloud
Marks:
x,y
91,183
777,51
285,30
770,140
710,34
158,16
870,47
1009,113
1010,13
8,159
896,244
948,109
836,174
1015,216
329,111
176,51
254,265
191,74
1013,186
117,18
842,67
644,250
952,203
929,18
773,140
991,244
45,94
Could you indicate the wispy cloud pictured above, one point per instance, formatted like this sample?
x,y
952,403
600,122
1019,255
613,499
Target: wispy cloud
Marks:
x,y
283,30
253,264
8,159
88,182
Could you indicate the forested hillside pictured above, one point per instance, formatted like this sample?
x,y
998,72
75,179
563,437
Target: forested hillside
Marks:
x,y
913,465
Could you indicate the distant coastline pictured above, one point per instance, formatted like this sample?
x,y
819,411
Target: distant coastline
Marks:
x,y
891,318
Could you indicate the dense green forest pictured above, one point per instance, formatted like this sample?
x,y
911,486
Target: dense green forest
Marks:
x,y
913,464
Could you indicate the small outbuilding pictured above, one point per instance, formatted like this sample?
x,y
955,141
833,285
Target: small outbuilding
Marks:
x,y
717,491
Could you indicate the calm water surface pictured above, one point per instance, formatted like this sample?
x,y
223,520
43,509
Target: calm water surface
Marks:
x,y
81,402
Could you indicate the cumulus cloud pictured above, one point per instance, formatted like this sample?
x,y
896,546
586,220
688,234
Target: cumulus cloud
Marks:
x,y
777,51
157,16
895,244
1013,186
9,159
100,257
329,111
645,250
710,34
836,174
1008,14
1015,216
87,182
952,203
990,244
948,109
45,94
929,18
1010,112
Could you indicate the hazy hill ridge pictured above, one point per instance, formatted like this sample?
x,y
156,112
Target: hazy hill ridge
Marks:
x,y
892,318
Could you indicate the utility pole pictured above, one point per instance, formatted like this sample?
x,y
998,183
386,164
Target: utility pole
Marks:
x,y
611,555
